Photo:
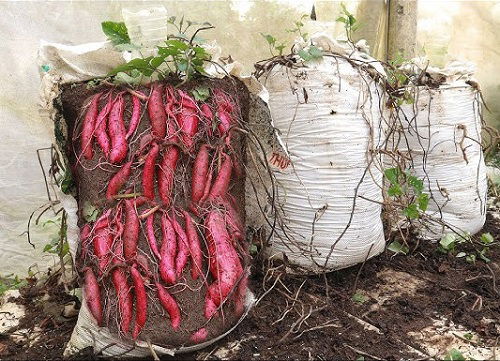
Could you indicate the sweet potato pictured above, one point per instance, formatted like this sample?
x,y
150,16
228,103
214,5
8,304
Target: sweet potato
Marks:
x,y
224,263
103,240
156,112
150,235
200,173
101,127
170,305
194,246
166,174
171,117
182,246
124,298
85,233
221,183
168,251
118,180
135,118
93,295
117,132
88,127
199,336
148,172
188,118
141,301
131,230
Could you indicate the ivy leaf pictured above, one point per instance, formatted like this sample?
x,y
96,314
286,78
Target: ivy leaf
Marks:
x,y
304,55
392,174
482,255
423,201
117,33
315,52
397,247
90,212
201,93
417,184
395,190
271,40
139,64
487,238
448,241
411,211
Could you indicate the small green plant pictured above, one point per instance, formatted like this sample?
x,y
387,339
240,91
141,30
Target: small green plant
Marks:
x,y
449,243
454,355
299,28
351,24
397,248
407,191
58,245
359,298
275,47
11,282
179,56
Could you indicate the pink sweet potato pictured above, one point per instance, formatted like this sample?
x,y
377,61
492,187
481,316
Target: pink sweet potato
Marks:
x,y
88,127
200,173
221,183
124,298
101,127
188,118
131,230
93,295
168,251
156,112
166,174
182,246
141,302
103,240
224,263
194,246
171,116
117,132
150,235
170,305
199,336
148,172
135,118
118,180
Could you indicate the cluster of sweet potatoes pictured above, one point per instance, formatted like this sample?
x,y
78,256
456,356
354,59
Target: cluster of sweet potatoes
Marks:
x,y
204,229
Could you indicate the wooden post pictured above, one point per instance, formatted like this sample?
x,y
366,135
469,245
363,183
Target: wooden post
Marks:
x,y
402,28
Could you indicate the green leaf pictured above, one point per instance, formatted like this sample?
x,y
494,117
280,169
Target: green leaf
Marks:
x,y
360,358
392,174
359,298
176,43
411,211
315,53
90,212
253,249
448,242
461,254
47,247
271,40
280,48
139,64
417,184
171,20
397,247
124,78
423,201
201,93
487,238
395,190
304,55
471,258
454,355
468,336
341,19
117,33
482,255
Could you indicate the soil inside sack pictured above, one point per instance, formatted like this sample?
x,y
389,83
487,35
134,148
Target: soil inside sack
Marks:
x,y
213,302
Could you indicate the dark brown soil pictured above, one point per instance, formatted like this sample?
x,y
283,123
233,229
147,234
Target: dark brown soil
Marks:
x,y
451,288
91,179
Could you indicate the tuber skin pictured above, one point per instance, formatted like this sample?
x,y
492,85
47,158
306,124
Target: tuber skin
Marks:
x,y
124,298
168,251
170,305
199,336
135,118
148,172
156,112
200,174
221,183
188,119
224,263
118,180
101,127
141,302
150,234
103,240
117,132
131,230
182,247
89,122
93,294
194,246
166,174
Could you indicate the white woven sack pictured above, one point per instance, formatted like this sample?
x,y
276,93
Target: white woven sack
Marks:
x,y
329,117
443,129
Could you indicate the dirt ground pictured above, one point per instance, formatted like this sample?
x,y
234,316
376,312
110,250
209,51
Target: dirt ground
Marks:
x,y
419,306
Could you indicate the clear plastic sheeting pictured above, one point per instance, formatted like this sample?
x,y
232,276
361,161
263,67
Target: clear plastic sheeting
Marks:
x,y
328,199
442,133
